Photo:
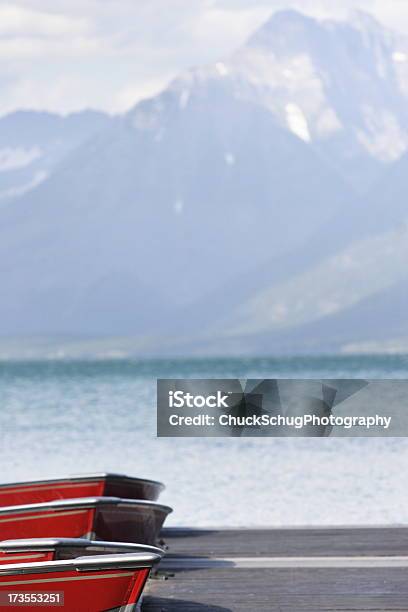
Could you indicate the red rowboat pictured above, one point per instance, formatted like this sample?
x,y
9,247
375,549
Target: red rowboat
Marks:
x,y
85,584
58,549
87,485
96,518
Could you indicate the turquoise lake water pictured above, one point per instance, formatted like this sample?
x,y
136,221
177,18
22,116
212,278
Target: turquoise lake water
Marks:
x,y
69,417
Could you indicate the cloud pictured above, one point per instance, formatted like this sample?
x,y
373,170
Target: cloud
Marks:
x,y
29,48
392,13
322,8
111,58
223,30
63,55
19,20
126,97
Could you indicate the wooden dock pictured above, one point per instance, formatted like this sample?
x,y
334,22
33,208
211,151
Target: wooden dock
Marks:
x,y
287,570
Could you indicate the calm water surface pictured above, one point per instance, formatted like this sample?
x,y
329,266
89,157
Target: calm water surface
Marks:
x,y
68,417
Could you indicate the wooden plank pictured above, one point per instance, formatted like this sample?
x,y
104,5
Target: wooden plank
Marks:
x,y
262,571
272,590
178,563
359,541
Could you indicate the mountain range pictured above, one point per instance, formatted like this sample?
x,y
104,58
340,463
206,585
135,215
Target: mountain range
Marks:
x,y
256,205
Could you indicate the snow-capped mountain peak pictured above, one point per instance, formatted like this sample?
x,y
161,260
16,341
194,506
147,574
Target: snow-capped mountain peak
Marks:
x,y
342,86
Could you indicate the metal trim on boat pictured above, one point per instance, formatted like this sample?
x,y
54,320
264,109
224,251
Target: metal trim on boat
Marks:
x,y
84,502
82,564
50,544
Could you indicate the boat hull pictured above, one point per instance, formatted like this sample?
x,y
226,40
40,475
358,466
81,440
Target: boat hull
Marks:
x,y
102,519
87,584
91,592
102,485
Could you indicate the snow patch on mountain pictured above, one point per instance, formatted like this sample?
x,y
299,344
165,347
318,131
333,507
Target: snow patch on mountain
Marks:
x,y
221,69
399,57
178,206
229,158
18,190
18,157
297,122
384,136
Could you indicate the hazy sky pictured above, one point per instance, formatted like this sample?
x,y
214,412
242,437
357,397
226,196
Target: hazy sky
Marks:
x,y
65,55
